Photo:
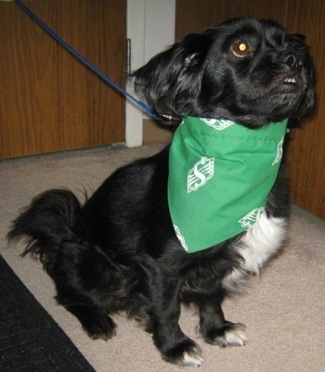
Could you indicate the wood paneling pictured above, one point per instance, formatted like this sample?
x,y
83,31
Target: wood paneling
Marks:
x,y
306,153
49,100
196,15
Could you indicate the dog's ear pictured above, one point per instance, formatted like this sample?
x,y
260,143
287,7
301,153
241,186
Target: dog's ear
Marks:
x,y
171,80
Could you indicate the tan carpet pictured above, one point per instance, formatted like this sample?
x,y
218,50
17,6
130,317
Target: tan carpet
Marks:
x,y
284,309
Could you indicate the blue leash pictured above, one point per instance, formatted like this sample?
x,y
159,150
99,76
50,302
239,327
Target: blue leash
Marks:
x,y
81,58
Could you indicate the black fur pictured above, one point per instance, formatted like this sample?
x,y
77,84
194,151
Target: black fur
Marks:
x,y
118,251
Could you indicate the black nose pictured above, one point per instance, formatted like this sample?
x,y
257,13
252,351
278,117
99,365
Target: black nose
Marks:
x,y
293,60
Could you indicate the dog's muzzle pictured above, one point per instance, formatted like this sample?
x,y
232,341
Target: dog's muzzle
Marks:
x,y
293,60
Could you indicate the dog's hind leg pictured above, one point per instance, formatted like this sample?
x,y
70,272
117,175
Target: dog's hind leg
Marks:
x,y
91,286
94,320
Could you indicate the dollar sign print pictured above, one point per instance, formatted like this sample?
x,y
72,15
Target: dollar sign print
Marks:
x,y
200,174
218,124
279,152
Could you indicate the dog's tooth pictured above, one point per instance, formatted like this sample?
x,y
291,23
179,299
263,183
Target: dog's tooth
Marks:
x,y
290,80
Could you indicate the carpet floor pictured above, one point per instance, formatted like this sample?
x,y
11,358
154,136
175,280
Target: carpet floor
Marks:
x,y
283,309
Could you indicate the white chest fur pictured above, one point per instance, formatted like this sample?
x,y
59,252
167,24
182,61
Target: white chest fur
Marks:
x,y
260,243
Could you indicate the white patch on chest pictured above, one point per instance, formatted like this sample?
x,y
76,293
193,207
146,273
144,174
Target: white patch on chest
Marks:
x,y
259,244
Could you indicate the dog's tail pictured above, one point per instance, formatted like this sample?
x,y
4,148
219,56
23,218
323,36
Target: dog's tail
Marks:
x,y
47,223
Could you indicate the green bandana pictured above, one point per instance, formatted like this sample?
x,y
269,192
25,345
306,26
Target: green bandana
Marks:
x,y
220,175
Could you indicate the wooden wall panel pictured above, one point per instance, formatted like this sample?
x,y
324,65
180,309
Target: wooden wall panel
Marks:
x,y
306,153
49,100
195,15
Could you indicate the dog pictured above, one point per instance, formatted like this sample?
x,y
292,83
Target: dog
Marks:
x,y
121,251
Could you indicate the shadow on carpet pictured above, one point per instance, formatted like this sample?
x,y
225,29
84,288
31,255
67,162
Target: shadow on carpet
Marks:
x,y
30,340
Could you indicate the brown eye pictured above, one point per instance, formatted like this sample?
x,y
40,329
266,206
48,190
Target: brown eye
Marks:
x,y
241,49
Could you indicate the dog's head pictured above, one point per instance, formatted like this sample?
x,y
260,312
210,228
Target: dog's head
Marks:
x,y
249,71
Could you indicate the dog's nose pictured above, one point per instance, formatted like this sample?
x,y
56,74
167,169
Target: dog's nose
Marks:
x,y
293,60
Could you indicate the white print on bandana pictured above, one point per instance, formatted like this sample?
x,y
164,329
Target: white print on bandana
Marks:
x,y
200,174
279,152
180,237
250,219
218,124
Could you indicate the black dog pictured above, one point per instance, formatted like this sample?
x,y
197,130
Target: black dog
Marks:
x,y
119,251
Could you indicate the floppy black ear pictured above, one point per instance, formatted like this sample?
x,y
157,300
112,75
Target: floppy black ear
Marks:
x,y
171,80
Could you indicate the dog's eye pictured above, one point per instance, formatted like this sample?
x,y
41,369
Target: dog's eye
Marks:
x,y
241,49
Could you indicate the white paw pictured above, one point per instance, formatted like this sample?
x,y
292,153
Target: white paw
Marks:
x,y
192,358
187,353
235,336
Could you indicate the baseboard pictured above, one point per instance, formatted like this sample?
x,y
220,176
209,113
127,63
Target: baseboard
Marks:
x,y
308,216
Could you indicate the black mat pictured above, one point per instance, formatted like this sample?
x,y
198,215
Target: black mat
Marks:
x,y
30,340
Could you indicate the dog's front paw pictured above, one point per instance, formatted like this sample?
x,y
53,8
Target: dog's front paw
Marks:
x,y
186,353
230,334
